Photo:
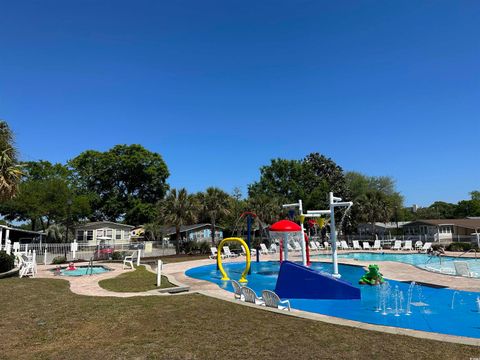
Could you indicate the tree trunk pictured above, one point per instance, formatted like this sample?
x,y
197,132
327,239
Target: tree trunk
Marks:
x,y
213,232
177,230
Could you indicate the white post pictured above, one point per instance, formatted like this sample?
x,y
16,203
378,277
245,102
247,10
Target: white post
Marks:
x,y
285,245
138,257
45,256
333,237
1,237
159,273
8,247
73,248
26,248
302,241
7,236
34,260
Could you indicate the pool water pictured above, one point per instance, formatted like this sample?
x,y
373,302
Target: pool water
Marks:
x,y
440,310
423,261
80,271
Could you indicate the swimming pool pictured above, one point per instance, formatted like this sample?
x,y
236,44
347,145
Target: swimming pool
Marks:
x,y
442,264
84,270
440,310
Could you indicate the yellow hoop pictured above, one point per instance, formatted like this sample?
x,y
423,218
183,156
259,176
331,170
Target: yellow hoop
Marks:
x,y
243,278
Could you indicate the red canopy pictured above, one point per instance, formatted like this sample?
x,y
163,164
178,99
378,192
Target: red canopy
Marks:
x,y
285,226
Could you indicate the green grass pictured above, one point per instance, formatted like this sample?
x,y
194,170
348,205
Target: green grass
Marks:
x,y
169,259
42,319
135,281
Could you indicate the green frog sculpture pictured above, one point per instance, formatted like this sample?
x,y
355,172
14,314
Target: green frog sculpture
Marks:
x,y
372,277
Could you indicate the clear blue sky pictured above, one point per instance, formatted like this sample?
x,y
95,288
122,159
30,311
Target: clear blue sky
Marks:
x,y
221,87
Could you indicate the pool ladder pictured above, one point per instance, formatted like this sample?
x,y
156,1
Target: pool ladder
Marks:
x,y
466,252
90,267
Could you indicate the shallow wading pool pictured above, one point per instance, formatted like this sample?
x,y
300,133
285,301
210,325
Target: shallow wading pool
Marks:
x,y
397,304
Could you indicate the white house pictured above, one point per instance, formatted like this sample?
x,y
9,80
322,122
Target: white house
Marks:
x,y
103,230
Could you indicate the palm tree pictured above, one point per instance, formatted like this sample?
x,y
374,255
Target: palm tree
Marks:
x,y
10,172
178,209
375,207
214,203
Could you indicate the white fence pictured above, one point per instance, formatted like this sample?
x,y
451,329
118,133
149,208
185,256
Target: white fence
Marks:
x,y
46,252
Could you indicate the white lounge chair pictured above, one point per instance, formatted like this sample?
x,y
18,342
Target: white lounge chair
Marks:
x,y
27,265
129,259
319,246
344,245
237,288
326,245
356,245
250,296
253,252
273,248
213,254
272,300
228,253
427,246
377,245
397,245
462,269
313,246
366,245
297,246
418,245
263,249
408,245
290,247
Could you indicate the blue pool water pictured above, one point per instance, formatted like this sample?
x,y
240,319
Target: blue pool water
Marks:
x,y
80,271
423,261
435,310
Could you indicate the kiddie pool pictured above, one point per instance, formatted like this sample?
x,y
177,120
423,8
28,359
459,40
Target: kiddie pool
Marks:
x,y
83,270
433,309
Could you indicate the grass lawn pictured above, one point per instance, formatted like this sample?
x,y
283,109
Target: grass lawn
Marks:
x,y
134,281
42,319
174,258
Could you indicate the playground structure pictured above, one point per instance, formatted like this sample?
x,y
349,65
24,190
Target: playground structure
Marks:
x,y
243,278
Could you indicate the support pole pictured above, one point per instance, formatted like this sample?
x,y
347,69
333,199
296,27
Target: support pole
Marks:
x,y
285,245
333,237
138,257
45,256
1,237
159,273
249,228
302,219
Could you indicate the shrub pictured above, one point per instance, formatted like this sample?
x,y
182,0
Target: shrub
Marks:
x,y
7,262
59,260
204,247
460,246
118,255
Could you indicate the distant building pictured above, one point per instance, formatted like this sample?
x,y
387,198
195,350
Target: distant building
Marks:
x,y
380,228
103,230
444,230
195,232
20,235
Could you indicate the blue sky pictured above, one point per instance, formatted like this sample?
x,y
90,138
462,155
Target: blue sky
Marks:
x,y
221,87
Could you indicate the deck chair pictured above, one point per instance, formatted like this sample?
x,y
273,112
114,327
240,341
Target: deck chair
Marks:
x,y
213,254
326,245
418,245
296,246
344,245
427,246
128,260
253,252
313,246
319,245
408,245
27,266
377,245
272,300
397,245
462,269
263,249
237,290
366,245
228,253
273,248
250,296
356,245
290,247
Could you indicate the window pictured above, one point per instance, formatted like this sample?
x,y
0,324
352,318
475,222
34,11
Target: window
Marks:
x,y
89,235
108,233
126,234
118,234
80,235
99,233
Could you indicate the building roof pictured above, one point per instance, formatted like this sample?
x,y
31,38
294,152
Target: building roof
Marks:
x,y
388,225
170,230
97,223
465,223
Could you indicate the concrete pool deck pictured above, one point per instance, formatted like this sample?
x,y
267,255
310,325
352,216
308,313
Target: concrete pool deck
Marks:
x,y
88,285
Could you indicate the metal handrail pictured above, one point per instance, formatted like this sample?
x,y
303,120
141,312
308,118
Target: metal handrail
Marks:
x,y
466,252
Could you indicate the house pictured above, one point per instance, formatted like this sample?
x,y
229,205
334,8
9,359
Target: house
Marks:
x,y
196,232
20,235
444,230
103,230
380,228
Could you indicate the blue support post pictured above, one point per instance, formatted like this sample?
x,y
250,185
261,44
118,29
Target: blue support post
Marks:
x,y
249,228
